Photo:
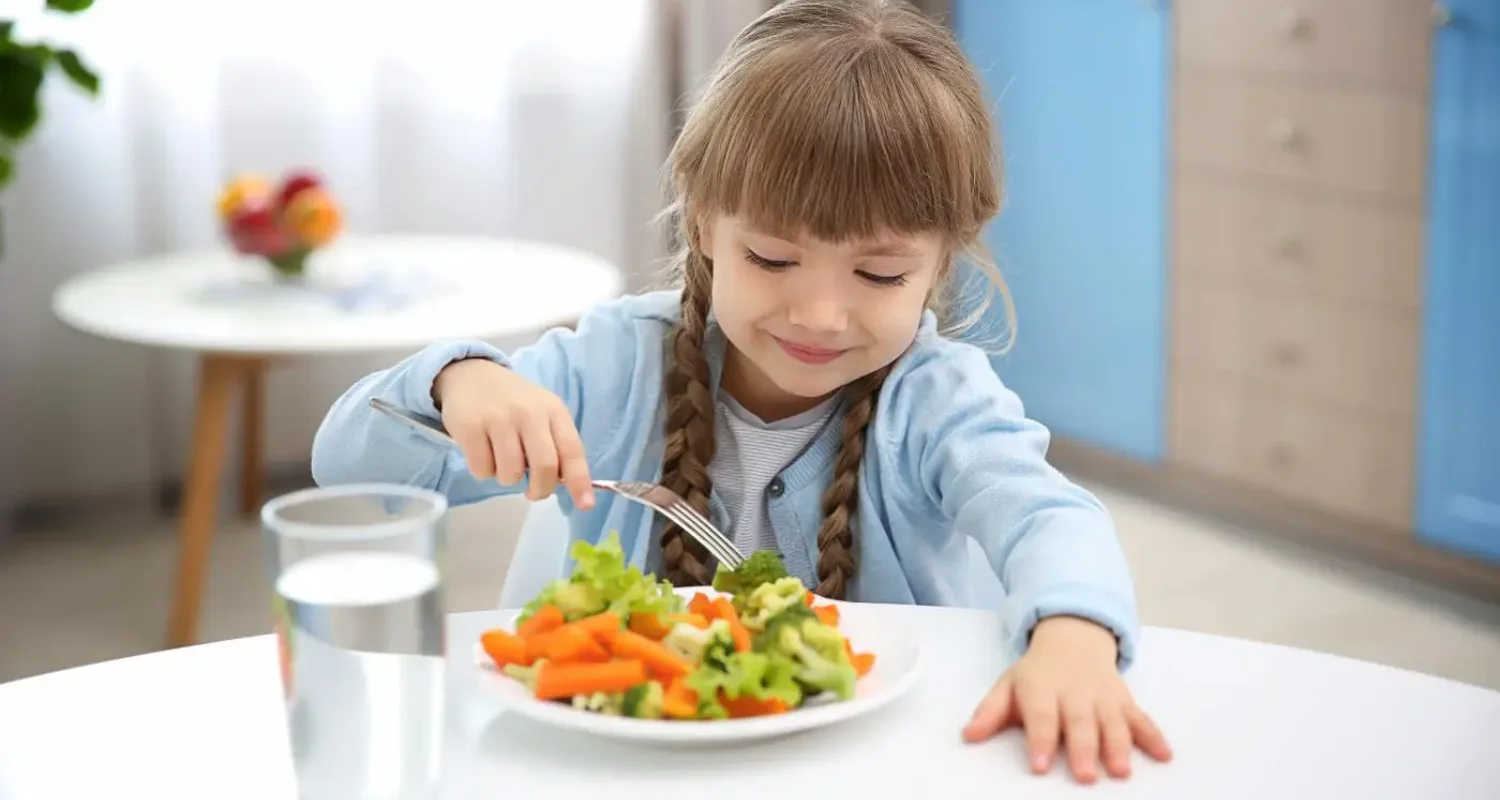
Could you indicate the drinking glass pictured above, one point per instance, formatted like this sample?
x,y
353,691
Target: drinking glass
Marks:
x,y
357,572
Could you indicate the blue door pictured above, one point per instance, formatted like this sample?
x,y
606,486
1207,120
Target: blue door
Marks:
x,y
1458,478
1080,89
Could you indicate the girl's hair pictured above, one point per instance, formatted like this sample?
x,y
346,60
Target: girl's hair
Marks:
x,y
836,119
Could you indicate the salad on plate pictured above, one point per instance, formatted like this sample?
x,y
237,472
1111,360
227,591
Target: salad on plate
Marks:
x,y
611,640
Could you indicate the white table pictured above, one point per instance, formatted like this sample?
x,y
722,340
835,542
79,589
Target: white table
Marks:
x,y
239,320
1246,720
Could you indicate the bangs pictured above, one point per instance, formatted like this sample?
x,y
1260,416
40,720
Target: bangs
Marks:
x,y
842,140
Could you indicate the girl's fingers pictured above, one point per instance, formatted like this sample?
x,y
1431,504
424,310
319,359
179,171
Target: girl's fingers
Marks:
x,y
541,457
509,461
993,713
1081,731
475,446
573,463
1039,716
1147,736
1114,733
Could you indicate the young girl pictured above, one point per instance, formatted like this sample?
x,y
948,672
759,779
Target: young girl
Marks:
x,y
796,388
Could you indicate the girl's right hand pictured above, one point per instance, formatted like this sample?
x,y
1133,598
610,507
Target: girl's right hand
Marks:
x,y
506,426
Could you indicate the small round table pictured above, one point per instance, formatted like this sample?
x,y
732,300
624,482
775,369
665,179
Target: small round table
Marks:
x,y
1247,722
360,295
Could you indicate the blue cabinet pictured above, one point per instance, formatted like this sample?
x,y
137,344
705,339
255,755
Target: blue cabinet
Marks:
x,y
1080,89
1458,477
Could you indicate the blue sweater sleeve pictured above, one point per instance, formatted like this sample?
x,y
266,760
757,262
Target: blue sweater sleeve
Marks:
x,y
357,444
983,464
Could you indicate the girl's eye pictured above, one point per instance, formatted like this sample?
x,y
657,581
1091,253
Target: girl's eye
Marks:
x,y
765,263
883,280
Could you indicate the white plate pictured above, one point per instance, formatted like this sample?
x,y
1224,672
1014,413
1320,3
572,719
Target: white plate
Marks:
x,y
897,667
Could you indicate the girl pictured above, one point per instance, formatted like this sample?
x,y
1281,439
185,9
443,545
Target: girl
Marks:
x,y
796,388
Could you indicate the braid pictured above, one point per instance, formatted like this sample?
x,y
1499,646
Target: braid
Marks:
x,y
836,543
690,425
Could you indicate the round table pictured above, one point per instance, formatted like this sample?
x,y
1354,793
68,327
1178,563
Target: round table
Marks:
x,y
1246,720
363,294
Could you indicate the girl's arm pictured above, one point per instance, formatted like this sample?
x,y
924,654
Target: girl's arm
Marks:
x,y
357,444
969,446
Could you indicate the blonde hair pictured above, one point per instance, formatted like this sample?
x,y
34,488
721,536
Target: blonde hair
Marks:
x,y
837,119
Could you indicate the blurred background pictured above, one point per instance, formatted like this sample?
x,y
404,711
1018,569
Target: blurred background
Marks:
x,y
1252,246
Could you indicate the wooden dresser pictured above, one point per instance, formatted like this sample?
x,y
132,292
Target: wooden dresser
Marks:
x,y
1295,230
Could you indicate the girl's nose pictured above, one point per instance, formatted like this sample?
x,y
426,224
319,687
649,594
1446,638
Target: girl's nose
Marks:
x,y
819,310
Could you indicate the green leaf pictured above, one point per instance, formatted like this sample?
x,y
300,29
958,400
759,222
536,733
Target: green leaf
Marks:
x,y
6,26
78,72
69,6
7,169
20,86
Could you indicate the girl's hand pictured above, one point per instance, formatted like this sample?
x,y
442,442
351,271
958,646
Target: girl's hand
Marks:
x,y
1067,688
506,425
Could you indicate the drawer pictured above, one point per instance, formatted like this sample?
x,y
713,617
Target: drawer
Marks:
x,y
1352,465
1347,139
1378,43
1206,422
1362,359
1297,244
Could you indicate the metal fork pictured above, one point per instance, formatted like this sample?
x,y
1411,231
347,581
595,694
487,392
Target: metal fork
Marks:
x,y
654,496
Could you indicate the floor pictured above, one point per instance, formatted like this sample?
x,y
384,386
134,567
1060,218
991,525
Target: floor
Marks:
x,y
92,592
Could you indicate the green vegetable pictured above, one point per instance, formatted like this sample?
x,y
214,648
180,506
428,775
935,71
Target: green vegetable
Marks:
x,y
526,675
602,581
644,701
695,644
816,649
770,598
758,675
763,566
608,703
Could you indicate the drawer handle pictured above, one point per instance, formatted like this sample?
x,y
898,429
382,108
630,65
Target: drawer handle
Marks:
x,y
1284,132
1281,455
1287,355
1292,22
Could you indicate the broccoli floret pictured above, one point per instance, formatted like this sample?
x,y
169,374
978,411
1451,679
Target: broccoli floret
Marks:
x,y
817,650
526,675
763,566
644,701
694,643
770,598
607,703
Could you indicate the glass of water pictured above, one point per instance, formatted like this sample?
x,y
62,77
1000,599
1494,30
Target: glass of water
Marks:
x,y
357,574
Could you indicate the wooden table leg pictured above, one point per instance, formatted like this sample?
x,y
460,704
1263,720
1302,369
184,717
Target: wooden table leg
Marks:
x,y
252,445
217,378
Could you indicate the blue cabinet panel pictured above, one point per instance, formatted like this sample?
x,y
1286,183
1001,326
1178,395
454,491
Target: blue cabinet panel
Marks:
x,y
1458,477
1081,91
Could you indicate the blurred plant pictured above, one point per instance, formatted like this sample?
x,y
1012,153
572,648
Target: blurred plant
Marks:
x,y
24,67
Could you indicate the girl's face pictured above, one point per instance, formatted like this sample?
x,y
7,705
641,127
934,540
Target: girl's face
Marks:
x,y
806,317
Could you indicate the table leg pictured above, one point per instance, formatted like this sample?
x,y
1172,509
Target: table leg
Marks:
x,y
217,377
252,445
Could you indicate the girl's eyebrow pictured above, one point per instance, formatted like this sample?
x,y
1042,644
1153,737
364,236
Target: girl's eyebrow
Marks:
x,y
890,249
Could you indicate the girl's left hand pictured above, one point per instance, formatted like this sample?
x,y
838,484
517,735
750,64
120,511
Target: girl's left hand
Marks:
x,y
1066,688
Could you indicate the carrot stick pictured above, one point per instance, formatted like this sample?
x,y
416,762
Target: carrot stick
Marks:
x,y
725,611
679,701
828,615
702,606
504,647
601,624
808,598
546,618
657,658
696,620
863,663
557,681
569,644
649,625
747,706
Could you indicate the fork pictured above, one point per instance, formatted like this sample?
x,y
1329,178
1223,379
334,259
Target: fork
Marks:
x,y
658,498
